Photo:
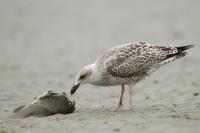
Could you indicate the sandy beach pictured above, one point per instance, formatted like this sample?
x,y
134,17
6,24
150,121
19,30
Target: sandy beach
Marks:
x,y
43,44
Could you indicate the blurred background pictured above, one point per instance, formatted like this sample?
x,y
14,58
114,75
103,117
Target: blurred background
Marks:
x,y
44,43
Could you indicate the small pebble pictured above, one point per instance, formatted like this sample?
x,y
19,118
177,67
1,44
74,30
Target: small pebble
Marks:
x,y
196,94
174,104
155,81
116,130
147,97
173,116
105,122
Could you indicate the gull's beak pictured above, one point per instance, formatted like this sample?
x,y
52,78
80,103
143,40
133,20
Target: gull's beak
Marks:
x,y
74,88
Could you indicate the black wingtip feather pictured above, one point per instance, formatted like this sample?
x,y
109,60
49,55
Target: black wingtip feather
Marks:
x,y
183,48
180,52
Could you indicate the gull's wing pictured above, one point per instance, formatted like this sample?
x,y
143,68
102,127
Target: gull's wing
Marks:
x,y
134,59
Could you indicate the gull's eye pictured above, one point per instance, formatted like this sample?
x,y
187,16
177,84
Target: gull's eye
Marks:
x,y
82,77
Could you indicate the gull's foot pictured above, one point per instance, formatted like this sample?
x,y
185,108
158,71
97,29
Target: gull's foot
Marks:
x,y
121,108
116,109
130,108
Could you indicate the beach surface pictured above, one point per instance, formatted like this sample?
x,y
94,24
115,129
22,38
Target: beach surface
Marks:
x,y
43,45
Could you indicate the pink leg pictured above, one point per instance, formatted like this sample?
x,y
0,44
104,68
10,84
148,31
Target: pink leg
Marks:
x,y
130,97
121,99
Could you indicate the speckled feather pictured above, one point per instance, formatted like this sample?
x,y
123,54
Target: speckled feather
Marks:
x,y
128,64
133,59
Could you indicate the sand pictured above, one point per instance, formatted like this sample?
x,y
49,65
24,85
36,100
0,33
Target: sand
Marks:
x,y
43,44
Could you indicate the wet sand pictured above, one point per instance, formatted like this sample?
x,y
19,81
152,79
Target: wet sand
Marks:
x,y
43,44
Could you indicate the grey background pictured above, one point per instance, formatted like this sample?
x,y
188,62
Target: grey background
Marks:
x,y
44,43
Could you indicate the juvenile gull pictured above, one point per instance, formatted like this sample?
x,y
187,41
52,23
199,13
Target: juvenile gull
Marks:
x,y
126,65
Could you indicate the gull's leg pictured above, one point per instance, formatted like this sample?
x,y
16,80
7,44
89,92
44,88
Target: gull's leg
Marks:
x,y
121,99
131,96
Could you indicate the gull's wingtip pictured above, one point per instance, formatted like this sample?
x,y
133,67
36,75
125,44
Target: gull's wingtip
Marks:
x,y
183,48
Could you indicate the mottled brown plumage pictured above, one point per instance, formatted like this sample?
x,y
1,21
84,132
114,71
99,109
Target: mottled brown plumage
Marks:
x,y
134,58
128,64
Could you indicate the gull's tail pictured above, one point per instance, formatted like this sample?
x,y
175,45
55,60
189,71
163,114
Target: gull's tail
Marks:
x,y
183,48
181,52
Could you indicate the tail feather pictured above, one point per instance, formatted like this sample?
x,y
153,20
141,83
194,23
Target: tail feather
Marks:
x,y
183,48
172,57
180,52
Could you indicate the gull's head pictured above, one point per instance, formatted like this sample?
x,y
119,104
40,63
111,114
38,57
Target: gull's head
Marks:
x,y
83,77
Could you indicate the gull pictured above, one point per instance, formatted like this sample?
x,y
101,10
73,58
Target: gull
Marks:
x,y
127,64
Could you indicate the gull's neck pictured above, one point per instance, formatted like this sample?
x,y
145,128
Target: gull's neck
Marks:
x,y
96,74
